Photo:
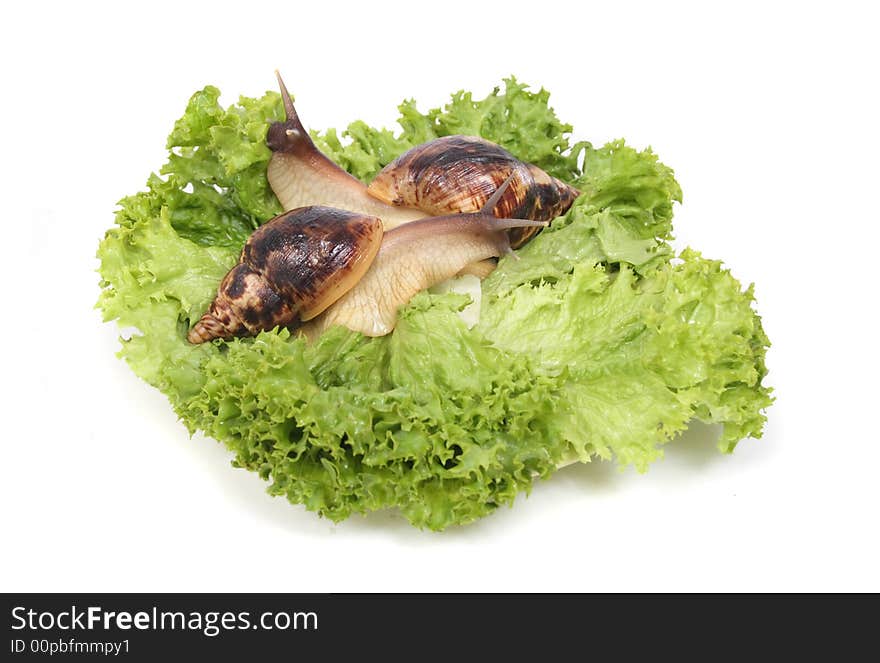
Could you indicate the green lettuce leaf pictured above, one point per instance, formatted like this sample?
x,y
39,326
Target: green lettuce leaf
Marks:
x,y
596,343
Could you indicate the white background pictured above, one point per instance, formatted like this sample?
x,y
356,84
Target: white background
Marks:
x,y
767,112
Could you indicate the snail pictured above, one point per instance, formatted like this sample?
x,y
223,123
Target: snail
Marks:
x,y
449,175
318,259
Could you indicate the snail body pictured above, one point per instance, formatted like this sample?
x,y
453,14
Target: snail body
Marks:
x,y
449,175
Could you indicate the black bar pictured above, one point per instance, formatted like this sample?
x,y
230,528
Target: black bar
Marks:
x,y
408,626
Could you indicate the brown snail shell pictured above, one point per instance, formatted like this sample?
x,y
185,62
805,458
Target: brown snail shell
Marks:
x,y
291,269
458,174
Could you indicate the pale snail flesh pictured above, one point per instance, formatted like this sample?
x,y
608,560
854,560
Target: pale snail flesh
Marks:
x,y
450,175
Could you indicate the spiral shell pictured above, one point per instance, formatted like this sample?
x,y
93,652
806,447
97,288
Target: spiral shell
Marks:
x,y
459,174
290,270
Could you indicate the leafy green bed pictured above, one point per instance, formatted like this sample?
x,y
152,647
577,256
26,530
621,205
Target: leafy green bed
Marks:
x,y
598,342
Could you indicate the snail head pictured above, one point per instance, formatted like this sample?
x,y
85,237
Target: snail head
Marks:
x,y
289,135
